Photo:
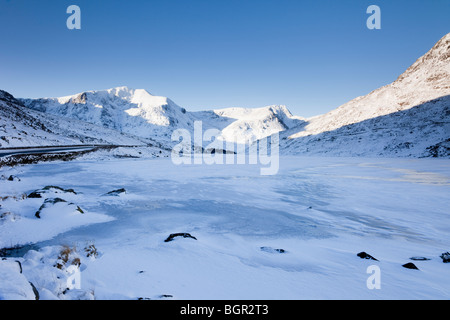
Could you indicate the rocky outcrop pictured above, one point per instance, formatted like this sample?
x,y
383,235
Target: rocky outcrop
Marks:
x,y
49,189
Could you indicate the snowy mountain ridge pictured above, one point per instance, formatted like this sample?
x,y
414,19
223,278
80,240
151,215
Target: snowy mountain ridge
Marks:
x,y
23,127
427,79
135,111
402,118
126,110
408,117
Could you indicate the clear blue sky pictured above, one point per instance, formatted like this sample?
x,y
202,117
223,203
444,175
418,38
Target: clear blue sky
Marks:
x,y
309,55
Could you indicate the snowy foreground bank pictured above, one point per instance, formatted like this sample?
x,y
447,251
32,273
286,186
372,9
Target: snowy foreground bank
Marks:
x,y
235,234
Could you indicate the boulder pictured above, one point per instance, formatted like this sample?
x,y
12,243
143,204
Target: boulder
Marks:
x,y
174,235
410,265
445,257
48,203
364,255
49,189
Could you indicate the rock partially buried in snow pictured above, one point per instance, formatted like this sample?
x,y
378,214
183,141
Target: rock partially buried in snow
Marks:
x,y
51,202
419,259
13,178
410,265
46,204
272,250
174,235
364,255
49,189
14,285
116,192
10,178
35,291
445,257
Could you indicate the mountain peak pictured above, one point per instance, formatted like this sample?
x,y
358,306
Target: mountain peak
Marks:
x,y
6,96
122,91
445,41
433,67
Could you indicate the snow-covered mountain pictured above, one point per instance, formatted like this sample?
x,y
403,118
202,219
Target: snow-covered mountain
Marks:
x,y
122,109
409,117
244,125
23,127
135,111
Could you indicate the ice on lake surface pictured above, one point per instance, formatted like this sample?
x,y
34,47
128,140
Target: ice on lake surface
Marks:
x,y
320,211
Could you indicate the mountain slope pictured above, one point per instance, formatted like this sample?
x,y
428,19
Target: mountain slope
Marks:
x,y
137,112
243,125
126,110
22,127
409,117
413,110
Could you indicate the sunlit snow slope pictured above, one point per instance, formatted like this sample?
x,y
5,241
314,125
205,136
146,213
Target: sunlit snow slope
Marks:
x,y
22,127
409,117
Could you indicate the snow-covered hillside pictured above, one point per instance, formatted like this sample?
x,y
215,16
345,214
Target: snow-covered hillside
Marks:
x,y
23,127
126,110
422,131
243,125
137,112
409,117
251,124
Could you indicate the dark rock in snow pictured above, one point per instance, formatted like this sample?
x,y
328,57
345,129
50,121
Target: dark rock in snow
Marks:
x,y
78,208
20,265
55,189
419,259
13,178
47,188
410,265
174,235
445,257
17,261
272,250
34,194
52,201
45,205
364,255
35,291
116,192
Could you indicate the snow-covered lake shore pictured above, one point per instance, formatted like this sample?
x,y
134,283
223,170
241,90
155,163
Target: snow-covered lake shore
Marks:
x,y
294,235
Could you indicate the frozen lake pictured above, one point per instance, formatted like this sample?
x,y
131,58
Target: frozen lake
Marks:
x,y
320,211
